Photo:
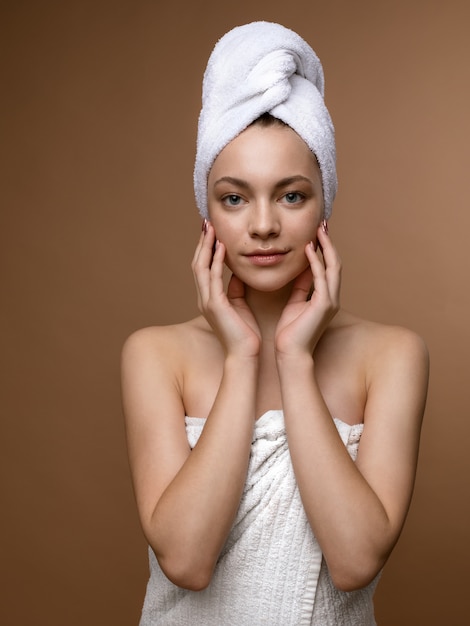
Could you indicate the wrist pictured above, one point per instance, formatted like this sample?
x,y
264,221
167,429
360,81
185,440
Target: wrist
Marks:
x,y
293,356
237,361
241,348
293,362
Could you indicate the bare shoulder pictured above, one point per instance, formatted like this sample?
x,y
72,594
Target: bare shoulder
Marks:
x,y
361,363
154,360
169,343
395,369
175,367
381,343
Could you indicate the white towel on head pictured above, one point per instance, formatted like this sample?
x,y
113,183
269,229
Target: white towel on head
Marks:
x,y
259,68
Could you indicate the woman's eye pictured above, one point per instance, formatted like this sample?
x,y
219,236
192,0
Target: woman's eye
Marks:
x,y
232,200
293,196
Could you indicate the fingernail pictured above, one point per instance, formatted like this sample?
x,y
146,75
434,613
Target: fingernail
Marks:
x,y
204,226
324,226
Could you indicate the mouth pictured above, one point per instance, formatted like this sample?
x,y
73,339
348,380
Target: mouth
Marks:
x,y
266,257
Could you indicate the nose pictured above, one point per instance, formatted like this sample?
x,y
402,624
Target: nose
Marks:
x,y
264,220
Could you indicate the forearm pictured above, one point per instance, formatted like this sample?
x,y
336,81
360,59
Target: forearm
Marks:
x,y
346,515
194,514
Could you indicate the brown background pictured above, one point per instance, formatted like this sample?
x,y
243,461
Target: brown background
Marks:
x,y
99,106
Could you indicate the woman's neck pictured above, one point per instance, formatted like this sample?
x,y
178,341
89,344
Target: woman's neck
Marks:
x,y
267,308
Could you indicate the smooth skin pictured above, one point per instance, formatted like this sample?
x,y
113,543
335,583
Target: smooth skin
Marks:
x,y
261,344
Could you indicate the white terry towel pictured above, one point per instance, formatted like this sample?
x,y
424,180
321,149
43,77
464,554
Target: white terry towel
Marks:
x,y
268,569
259,68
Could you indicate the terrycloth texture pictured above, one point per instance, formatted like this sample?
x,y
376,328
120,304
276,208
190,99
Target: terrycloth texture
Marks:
x,y
270,570
263,68
333,607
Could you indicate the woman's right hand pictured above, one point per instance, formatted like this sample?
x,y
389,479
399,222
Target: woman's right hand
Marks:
x,y
228,313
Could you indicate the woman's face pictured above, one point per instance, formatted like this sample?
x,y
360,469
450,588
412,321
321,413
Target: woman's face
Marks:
x,y
265,202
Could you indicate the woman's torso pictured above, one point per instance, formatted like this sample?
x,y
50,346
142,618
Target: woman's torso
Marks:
x,y
342,359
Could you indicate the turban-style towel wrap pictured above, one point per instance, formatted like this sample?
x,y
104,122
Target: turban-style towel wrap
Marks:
x,y
263,68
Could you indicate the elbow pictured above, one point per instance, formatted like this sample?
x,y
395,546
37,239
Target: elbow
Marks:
x,y
185,564
192,576
352,577
351,570
348,583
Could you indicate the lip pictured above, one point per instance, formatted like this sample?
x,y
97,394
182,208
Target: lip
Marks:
x,y
266,257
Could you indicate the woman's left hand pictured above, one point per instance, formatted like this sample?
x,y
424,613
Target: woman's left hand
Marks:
x,y
303,321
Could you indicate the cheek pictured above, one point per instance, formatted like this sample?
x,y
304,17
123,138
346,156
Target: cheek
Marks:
x,y
226,233
307,233
226,237
314,223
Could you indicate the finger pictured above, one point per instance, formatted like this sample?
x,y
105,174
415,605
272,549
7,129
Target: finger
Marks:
x,y
332,264
328,250
235,289
326,282
194,262
217,270
198,249
202,261
201,245
317,267
302,286
206,250
236,294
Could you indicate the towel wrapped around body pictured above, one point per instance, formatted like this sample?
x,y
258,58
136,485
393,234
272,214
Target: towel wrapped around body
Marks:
x,y
270,570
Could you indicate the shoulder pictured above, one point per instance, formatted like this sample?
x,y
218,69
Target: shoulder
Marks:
x,y
388,354
396,364
395,348
162,351
380,341
154,364
170,341
364,363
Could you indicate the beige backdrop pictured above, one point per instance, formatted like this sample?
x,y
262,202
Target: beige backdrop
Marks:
x,y
99,106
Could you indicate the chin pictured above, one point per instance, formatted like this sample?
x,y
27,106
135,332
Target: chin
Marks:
x,y
266,284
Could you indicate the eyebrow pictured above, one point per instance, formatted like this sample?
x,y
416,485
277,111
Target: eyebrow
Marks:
x,y
289,180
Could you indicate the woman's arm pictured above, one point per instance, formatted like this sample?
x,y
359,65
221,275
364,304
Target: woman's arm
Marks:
x,y
186,499
356,510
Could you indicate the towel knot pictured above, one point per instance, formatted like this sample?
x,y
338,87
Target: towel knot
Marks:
x,y
273,72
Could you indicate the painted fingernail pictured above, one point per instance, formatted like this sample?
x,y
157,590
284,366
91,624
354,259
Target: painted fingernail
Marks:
x,y
204,226
324,226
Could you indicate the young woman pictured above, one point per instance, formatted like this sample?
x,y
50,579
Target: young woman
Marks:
x,y
273,440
